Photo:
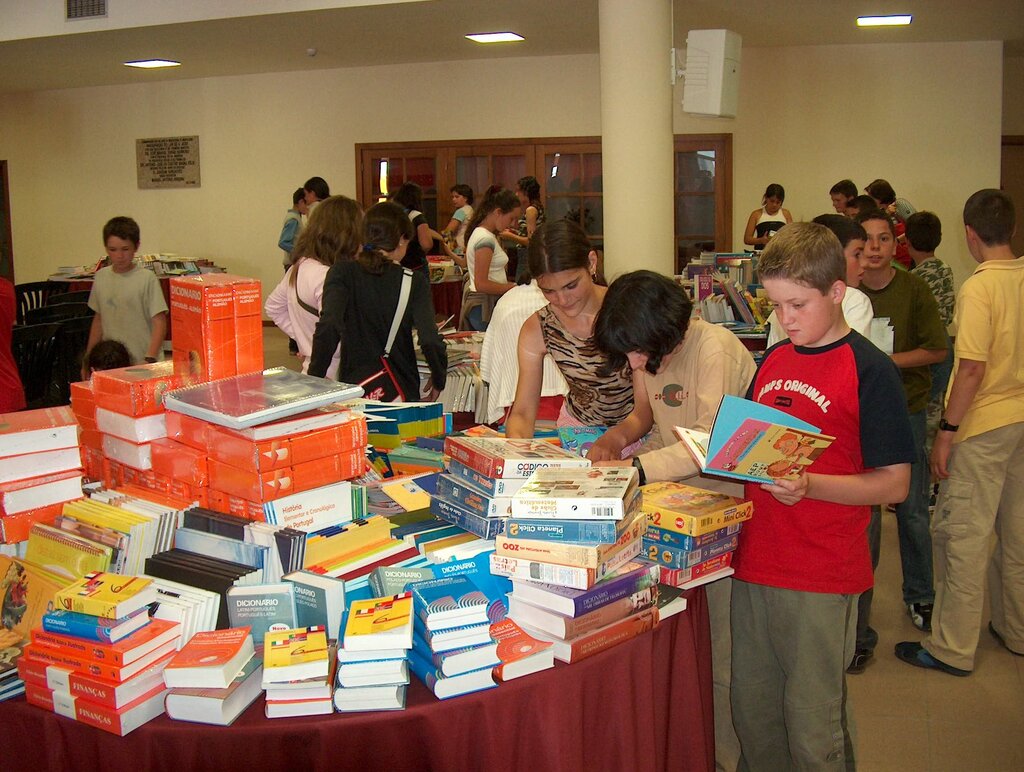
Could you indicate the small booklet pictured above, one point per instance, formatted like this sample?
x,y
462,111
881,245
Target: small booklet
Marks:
x,y
755,442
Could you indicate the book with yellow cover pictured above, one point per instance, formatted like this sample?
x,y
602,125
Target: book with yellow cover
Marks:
x,y
106,595
26,590
292,655
379,623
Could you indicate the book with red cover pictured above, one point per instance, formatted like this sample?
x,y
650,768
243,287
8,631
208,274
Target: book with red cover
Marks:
x,y
137,390
589,644
503,458
83,664
36,492
97,690
33,431
116,721
123,652
241,401
520,653
212,658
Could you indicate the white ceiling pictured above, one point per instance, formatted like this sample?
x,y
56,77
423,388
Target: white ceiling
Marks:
x,y
433,31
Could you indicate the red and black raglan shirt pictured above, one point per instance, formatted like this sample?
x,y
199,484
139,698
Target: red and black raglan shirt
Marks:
x,y
853,392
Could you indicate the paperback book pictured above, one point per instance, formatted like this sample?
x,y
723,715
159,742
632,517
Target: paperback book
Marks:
x,y
210,659
290,655
520,654
450,601
217,706
445,687
379,623
631,578
509,458
691,511
596,493
754,442
106,595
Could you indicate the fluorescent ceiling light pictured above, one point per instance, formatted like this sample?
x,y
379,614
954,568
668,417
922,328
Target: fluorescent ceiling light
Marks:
x,y
152,64
495,37
898,20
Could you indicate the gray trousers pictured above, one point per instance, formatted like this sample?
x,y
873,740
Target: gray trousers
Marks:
x,y
790,651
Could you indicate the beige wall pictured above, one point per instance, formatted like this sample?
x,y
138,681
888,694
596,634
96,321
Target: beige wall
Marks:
x,y
802,123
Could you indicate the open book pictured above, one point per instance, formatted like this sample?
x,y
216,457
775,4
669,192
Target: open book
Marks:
x,y
755,442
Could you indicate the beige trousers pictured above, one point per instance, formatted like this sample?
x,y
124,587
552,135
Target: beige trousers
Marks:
x,y
984,496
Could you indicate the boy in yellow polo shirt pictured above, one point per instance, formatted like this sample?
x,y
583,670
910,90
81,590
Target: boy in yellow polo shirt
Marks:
x,y
979,455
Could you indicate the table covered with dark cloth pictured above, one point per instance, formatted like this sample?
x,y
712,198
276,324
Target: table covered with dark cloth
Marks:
x,y
643,705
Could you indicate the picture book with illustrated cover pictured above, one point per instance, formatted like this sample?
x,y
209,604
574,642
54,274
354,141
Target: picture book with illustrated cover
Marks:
x,y
754,442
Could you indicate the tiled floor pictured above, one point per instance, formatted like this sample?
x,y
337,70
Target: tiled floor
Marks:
x,y
907,719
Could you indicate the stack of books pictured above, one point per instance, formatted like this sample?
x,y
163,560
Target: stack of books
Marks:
x,y
253,440
128,415
484,472
453,652
373,671
214,677
83,405
40,468
576,529
297,655
393,423
216,325
101,668
691,532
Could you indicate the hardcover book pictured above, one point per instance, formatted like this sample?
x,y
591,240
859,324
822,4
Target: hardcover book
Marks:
x,y
35,431
218,706
392,580
691,511
582,494
96,690
116,721
489,486
565,553
589,644
509,458
562,626
444,686
319,600
106,595
754,442
450,601
631,578
210,659
123,652
520,653
290,655
94,628
262,608
241,401
379,623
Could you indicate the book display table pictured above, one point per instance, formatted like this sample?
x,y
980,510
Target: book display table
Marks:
x,y
643,705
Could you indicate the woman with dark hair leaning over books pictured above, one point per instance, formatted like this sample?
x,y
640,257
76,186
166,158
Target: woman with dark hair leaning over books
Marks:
x,y
565,268
362,300
681,370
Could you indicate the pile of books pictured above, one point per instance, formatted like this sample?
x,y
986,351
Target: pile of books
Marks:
x,y
691,532
100,659
372,665
251,440
394,423
453,652
572,532
214,677
297,672
216,325
40,468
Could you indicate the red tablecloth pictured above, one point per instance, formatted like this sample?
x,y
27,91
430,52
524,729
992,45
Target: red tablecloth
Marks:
x,y
644,705
447,297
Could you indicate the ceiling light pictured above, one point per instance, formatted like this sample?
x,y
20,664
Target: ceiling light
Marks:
x,y
495,37
897,20
152,64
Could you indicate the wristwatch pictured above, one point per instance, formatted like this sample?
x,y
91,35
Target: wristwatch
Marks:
x,y
640,470
946,426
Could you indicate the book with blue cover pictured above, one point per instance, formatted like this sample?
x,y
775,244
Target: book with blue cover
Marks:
x,y
491,486
449,638
456,661
444,686
673,557
467,519
589,532
688,543
478,570
449,601
462,491
92,627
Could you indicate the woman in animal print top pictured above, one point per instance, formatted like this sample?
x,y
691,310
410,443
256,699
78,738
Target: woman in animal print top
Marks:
x,y
565,268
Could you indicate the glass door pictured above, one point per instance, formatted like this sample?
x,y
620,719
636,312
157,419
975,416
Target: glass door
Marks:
x,y
703,181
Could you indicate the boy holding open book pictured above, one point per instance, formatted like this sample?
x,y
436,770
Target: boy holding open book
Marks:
x,y
803,558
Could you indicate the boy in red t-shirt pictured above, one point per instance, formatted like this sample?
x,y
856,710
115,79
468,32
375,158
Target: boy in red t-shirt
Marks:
x,y
803,559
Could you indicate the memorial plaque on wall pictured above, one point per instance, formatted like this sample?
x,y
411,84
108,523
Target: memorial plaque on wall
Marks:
x,y
168,162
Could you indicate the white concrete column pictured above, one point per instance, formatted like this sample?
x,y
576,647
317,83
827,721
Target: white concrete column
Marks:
x,y
636,132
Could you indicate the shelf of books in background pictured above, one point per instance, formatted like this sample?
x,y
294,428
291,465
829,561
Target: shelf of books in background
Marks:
x,y
99,657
